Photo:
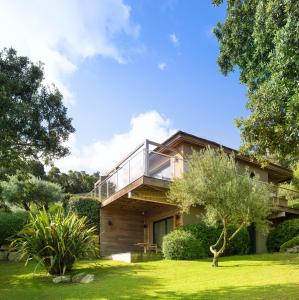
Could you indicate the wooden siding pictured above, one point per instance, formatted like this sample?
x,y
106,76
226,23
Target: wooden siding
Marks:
x,y
120,231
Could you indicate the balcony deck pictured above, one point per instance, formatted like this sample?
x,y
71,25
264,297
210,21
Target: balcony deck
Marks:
x,y
143,167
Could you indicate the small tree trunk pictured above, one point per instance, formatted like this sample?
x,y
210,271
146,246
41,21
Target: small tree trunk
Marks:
x,y
216,253
215,261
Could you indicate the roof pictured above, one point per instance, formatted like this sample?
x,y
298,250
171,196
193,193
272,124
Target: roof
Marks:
x,y
278,172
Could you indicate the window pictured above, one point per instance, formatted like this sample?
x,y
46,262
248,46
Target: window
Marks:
x,y
161,228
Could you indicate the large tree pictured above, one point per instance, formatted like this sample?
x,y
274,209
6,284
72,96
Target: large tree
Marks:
x,y
33,120
228,195
261,39
26,193
74,182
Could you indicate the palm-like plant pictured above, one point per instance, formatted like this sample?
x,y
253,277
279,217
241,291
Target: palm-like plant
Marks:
x,y
56,240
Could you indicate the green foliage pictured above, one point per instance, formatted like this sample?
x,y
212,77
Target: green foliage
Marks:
x,y
229,195
56,240
282,233
25,192
88,207
208,235
180,244
260,39
290,243
33,119
73,182
10,224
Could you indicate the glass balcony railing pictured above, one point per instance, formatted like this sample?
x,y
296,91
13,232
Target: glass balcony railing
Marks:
x,y
143,162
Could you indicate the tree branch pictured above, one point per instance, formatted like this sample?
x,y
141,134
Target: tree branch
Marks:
x,y
236,232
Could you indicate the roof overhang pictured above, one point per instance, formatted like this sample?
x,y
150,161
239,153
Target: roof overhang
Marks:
x,y
276,172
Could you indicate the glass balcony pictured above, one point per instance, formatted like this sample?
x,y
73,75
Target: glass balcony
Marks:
x,y
142,162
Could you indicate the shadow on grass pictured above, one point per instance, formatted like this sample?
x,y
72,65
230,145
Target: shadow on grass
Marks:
x,y
248,260
113,281
267,292
134,281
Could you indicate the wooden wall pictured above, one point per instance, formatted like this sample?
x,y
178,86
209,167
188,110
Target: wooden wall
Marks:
x,y
126,229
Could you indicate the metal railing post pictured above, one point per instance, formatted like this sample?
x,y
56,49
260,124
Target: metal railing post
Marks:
x,y
146,154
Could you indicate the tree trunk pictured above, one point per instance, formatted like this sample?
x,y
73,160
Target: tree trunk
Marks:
x,y
213,249
215,261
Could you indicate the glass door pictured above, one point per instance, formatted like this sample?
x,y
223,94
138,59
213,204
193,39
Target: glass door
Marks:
x,y
161,228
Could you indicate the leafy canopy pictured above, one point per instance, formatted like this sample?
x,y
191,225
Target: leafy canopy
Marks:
x,y
261,39
74,182
33,119
229,196
26,192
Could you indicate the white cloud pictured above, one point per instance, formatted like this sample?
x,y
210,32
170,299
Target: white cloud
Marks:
x,y
104,154
162,66
174,40
62,33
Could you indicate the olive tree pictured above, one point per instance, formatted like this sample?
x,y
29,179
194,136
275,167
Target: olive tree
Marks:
x,y
229,195
25,192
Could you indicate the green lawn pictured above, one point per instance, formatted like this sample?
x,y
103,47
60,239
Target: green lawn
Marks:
x,y
272,276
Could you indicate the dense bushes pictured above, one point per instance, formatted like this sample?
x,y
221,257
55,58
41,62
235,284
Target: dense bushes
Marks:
x,y
56,240
88,207
182,245
289,244
193,241
10,224
281,234
208,235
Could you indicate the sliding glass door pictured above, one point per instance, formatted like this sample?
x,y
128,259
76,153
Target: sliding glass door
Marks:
x,y
161,228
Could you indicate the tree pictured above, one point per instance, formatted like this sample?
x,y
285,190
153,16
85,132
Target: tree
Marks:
x,y
25,192
229,197
74,182
33,119
261,39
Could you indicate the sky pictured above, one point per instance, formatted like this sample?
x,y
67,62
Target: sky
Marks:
x,y
128,70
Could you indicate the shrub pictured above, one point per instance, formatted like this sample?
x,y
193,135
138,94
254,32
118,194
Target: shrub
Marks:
x,y
10,224
282,233
290,243
56,240
208,235
88,207
180,244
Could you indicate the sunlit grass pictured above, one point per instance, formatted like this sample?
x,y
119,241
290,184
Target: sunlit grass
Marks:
x,y
271,276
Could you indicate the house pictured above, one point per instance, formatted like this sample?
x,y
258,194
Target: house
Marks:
x,y
133,195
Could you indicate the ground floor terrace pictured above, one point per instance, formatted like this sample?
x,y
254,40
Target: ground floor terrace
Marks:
x,y
136,218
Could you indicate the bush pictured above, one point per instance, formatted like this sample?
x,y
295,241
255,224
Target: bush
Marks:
x,y
56,240
86,207
282,233
180,244
208,235
289,244
10,224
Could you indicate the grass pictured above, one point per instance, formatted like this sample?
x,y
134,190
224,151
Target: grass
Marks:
x,y
271,276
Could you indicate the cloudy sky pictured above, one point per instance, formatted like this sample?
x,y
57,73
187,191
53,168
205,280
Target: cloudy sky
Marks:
x,y
129,70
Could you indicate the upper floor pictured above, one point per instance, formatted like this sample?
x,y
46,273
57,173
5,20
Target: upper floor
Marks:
x,y
157,164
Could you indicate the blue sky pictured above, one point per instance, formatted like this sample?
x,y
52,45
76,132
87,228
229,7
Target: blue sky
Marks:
x,y
156,62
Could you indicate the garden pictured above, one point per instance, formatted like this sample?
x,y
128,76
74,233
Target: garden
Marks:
x,y
270,276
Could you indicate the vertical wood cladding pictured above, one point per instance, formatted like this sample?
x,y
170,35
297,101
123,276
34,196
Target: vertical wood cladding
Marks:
x,y
120,231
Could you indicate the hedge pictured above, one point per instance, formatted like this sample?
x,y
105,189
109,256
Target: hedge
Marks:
x,y
180,244
281,234
86,206
11,224
208,235
290,243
